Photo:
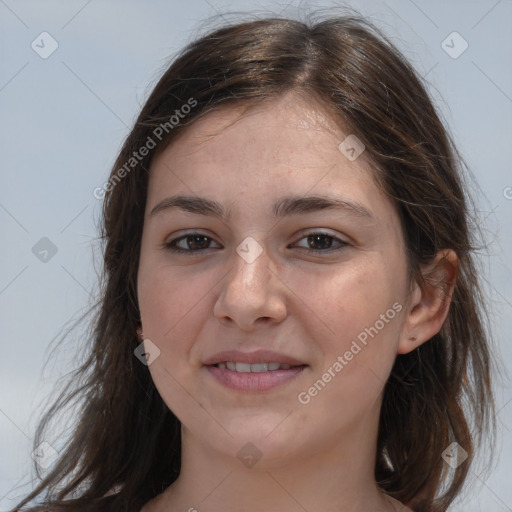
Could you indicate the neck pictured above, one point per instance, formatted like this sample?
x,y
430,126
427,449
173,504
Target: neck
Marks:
x,y
327,478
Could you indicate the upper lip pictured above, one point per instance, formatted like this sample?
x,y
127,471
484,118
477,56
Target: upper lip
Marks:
x,y
254,357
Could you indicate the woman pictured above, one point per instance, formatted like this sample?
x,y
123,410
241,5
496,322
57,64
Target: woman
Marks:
x,y
291,317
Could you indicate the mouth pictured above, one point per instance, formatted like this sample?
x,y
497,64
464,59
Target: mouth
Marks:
x,y
254,368
253,372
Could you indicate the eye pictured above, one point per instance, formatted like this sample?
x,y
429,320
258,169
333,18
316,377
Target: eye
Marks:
x,y
320,242
189,243
194,242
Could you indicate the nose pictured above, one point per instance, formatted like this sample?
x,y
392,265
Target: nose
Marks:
x,y
252,293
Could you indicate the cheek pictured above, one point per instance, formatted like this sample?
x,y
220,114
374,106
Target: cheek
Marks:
x,y
170,304
352,299
360,312
168,301
361,320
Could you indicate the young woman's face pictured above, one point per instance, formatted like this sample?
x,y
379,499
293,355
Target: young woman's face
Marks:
x,y
269,277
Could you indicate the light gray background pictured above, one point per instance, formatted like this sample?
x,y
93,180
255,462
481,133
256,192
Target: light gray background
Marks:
x,y
64,118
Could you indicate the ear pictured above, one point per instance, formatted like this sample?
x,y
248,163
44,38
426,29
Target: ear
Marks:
x,y
430,301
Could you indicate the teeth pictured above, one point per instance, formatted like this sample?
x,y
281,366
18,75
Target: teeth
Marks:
x,y
243,367
260,367
256,368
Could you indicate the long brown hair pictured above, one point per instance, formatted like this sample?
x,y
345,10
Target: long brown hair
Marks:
x,y
126,443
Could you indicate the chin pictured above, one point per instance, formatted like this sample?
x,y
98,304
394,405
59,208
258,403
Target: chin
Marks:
x,y
261,443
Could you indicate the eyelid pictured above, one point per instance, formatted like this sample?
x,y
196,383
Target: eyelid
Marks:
x,y
170,244
320,231
323,232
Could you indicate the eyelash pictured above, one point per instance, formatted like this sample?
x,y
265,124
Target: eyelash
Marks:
x,y
171,245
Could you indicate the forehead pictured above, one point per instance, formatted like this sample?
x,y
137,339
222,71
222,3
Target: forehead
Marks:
x,y
289,116
265,150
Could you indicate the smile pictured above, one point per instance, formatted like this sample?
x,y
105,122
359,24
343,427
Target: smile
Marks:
x,y
253,377
257,368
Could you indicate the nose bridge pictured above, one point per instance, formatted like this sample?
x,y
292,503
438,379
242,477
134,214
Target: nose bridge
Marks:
x,y
251,266
251,289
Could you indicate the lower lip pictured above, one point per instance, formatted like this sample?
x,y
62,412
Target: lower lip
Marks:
x,y
253,381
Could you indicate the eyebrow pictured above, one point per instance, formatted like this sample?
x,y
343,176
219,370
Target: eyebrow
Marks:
x,y
283,207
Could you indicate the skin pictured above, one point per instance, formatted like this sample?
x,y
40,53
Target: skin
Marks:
x,y
314,456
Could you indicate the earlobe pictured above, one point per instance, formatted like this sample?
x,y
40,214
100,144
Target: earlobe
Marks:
x,y
430,301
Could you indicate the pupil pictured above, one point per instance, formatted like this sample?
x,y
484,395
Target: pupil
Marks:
x,y
315,238
196,239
